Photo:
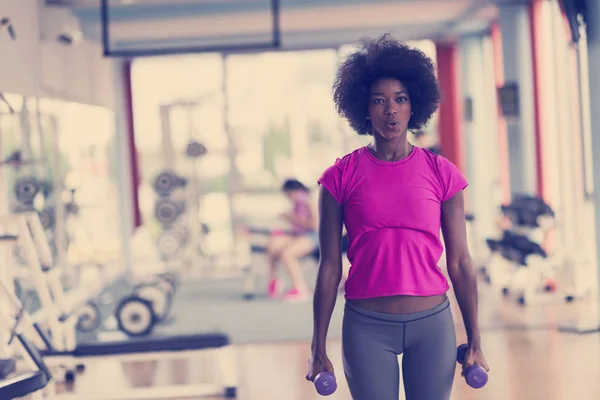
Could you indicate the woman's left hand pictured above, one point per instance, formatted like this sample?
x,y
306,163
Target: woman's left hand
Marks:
x,y
474,355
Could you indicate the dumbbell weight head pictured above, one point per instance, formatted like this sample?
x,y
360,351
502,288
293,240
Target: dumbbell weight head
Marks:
x,y
475,375
325,383
26,189
160,299
88,318
165,183
135,316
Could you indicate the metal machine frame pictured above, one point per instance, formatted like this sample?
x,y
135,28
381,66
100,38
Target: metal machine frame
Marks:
x,y
274,44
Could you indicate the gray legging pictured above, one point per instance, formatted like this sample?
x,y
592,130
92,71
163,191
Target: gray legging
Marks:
x,y
372,341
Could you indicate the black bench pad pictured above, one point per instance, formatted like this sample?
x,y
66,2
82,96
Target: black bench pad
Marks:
x,y
22,385
148,345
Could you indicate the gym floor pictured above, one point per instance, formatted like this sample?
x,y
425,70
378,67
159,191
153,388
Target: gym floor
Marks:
x,y
529,359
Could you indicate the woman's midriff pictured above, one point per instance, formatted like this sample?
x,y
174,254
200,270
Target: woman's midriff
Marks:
x,y
399,304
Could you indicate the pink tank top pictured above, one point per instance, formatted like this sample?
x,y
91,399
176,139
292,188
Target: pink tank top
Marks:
x,y
392,213
302,210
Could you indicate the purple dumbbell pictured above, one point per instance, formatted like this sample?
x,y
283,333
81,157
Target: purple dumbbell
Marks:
x,y
325,383
475,375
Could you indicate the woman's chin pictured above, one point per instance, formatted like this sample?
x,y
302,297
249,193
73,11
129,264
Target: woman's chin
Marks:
x,y
388,134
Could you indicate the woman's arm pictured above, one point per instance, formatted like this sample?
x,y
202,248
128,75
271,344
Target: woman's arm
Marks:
x,y
330,268
310,221
461,272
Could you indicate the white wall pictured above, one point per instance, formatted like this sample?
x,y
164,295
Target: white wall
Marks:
x,y
18,59
78,73
32,66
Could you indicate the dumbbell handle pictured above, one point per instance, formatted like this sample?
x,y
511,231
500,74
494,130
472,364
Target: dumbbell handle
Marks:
x,y
475,375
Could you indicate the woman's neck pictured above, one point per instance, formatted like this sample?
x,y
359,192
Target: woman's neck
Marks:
x,y
389,150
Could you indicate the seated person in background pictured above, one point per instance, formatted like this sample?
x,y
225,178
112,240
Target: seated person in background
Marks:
x,y
288,248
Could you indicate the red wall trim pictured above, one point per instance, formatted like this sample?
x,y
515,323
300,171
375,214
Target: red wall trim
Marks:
x,y
133,156
450,130
535,18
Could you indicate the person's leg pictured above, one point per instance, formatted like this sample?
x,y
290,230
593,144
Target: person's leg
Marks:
x,y
370,348
429,360
274,249
299,247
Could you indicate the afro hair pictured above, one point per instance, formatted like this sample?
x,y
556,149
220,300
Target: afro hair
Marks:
x,y
385,57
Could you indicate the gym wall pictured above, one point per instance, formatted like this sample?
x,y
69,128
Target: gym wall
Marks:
x,y
36,63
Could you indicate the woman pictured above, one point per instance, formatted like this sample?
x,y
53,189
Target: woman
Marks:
x,y
393,199
302,241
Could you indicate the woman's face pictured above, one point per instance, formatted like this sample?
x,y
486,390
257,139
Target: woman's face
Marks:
x,y
389,108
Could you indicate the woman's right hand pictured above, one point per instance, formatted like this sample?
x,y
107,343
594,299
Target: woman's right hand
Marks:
x,y
318,364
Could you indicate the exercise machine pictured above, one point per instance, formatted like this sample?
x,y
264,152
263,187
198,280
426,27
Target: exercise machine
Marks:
x,y
518,263
181,347
155,349
59,349
30,382
182,241
16,382
146,306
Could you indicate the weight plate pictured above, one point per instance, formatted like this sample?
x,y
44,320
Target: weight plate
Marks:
x,y
165,183
89,318
195,149
135,316
26,189
161,300
168,244
166,211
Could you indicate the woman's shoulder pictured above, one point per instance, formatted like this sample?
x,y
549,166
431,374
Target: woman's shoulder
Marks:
x,y
350,158
345,165
427,154
432,159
